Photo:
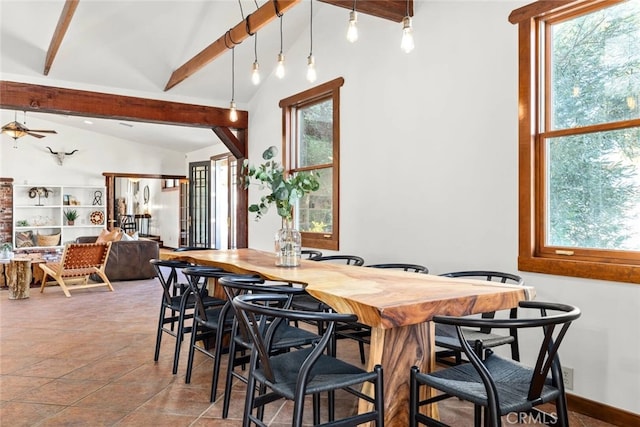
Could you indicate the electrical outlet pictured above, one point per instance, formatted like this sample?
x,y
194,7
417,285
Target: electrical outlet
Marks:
x,y
567,377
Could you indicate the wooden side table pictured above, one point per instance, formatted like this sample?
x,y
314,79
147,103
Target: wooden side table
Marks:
x,y
19,277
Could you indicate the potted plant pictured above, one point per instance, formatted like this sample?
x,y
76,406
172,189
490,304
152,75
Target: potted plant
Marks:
x,y
71,215
284,192
6,250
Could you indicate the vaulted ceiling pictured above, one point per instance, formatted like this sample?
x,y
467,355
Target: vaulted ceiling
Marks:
x,y
171,50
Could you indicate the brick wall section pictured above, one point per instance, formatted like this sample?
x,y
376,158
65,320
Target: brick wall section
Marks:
x,y
6,210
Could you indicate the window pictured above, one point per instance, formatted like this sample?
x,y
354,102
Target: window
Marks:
x,y
311,121
579,139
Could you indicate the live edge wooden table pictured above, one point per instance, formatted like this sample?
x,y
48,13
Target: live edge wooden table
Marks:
x,y
398,306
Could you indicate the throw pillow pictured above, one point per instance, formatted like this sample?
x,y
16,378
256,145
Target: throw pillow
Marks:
x,y
130,237
109,236
24,239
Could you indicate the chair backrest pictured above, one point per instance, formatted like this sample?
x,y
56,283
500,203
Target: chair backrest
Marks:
x,y
491,276
196,273
167,274
311,253
78,256
348,259
415,268
260,318
554,328
241,285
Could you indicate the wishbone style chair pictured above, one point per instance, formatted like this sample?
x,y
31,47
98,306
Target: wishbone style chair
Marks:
x,y
496,384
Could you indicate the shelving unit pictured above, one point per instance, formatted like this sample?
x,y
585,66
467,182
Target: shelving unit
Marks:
x,y
38,210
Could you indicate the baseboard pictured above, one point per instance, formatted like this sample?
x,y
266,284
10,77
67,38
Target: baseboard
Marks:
x,y
600,411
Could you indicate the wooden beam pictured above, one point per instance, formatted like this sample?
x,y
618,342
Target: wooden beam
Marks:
x,y
393,10
230,140
252,23
63,24
47,99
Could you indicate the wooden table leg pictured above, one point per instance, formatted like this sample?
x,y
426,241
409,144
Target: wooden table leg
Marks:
x,y
19,278
398,349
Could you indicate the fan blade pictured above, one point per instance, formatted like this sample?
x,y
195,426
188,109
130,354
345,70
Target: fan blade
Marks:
x,y
35,135
42,131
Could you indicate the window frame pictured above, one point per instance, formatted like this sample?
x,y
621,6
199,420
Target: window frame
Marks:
x,y
620,266
289,106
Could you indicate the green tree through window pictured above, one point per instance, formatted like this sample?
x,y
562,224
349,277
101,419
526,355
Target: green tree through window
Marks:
x,y
579,137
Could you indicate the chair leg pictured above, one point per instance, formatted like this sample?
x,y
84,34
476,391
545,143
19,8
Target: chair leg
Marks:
x,y
179,338
229,379
192,343
316,409
220,334
159,335
379,400
413,397
249,396
361,346
562,411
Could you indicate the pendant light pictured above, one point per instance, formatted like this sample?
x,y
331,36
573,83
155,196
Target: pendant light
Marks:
x,y
352,30
255,69
233,113
407,33
311,63
280,67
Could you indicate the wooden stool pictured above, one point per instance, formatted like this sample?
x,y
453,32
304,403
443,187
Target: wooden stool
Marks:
x,y
19,278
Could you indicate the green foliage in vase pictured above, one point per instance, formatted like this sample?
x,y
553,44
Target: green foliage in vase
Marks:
x,y
285,190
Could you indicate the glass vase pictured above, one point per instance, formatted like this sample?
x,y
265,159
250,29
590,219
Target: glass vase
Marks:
x,y
288,243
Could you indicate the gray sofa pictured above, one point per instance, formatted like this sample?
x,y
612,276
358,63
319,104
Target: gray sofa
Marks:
x,y
128,260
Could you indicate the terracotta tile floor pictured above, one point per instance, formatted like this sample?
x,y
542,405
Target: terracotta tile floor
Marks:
x,y
88,361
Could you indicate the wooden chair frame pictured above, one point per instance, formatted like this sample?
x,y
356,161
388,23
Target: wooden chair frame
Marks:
x,y
79,261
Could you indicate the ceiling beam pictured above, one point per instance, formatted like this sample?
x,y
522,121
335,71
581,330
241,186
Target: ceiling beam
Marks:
x,y
47,99
252,23
63,24
393,10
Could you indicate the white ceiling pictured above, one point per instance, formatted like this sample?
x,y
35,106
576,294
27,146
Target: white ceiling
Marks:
x,y
132,47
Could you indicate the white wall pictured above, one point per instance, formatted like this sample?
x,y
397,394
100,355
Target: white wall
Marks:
x,y
429,166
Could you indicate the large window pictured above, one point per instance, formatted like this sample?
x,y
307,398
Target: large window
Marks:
x,y
579,138
311,121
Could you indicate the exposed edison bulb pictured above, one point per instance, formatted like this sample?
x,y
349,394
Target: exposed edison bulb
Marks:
x,y
311,69
352,31
631,102
280,66
233,113
407,35
255,73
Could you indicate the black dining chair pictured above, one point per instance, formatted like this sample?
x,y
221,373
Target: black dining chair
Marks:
x,y
307,302
446,337
211,325
295,374
286,336
177,304
498,385
361,332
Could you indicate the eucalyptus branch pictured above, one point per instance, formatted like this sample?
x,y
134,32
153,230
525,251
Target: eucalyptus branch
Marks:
x,y
284,190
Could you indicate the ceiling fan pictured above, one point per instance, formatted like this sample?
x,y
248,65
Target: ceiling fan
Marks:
x,y
17,130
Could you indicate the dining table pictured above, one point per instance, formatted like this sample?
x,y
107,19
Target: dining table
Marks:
x,y
397,305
